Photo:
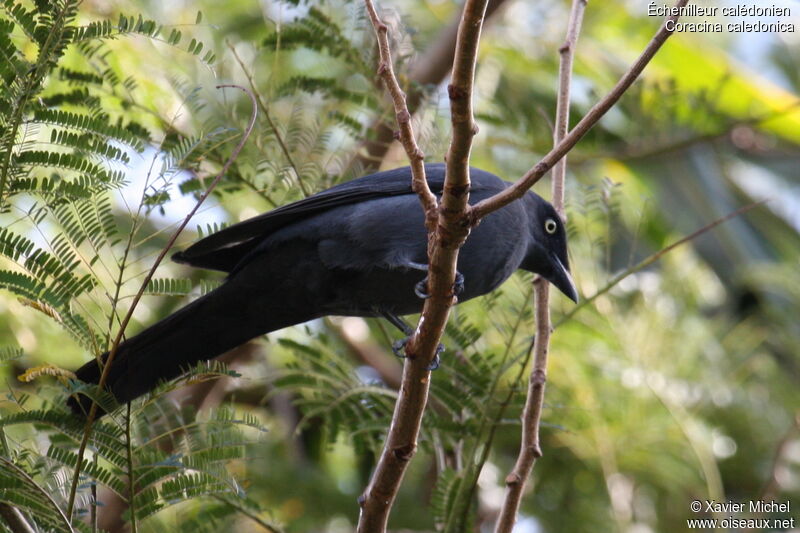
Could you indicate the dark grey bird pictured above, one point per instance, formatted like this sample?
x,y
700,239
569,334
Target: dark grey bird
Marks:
x,y
356,249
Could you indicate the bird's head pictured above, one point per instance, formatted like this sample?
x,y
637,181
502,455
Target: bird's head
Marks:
x,y
547,250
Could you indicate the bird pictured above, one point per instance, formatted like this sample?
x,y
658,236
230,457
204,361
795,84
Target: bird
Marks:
x,y
356,249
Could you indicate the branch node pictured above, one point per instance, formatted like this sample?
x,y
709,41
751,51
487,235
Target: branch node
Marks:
x,y
470,220
541,168
405,453
456,93
475,128
458,190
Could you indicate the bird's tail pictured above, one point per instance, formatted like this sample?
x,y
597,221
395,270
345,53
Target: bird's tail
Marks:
x,y
204,329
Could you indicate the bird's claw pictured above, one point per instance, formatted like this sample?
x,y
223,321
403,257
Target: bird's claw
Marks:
x,y
399,346
458,284
421,288
435,363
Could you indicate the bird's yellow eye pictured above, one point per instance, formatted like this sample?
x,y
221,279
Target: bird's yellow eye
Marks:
x,y
550,226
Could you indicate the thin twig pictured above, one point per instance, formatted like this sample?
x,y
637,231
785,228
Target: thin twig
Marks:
x,y
269,526
567,54
14,519
415,156
530,449
272,126
428,69
446,234
131,473
115,346
649,260
57,512
484,207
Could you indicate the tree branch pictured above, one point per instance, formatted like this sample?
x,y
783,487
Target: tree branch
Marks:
x,y
264,109
114,347
415,155
530,449
428,69
14,519
447,230
452,223
483,208
567,53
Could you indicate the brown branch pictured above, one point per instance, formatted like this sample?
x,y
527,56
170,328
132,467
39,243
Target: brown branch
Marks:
x,y
483,208
124,324
14,519
567,53
415,156
430,68
401,441
530,449
446,233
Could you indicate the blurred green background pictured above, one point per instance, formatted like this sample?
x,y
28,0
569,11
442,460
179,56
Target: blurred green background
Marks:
x,y
680,383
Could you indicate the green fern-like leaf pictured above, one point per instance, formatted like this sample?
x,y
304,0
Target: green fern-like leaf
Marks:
x,y
111,479
90,124
169,287
442,497
106,438
19,489
10,353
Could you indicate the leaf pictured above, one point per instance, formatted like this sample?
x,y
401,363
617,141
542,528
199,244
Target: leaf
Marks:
x,y
169,287
10,353
45,370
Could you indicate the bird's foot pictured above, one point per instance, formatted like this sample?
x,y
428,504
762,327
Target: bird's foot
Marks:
x,y
421,288
399,347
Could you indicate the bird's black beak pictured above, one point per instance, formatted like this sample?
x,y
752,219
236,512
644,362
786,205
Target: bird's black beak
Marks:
x,y
562,279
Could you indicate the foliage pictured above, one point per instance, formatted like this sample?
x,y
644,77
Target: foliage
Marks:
x,y
67,254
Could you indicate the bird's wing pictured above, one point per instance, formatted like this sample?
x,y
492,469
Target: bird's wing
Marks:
x,y
223,250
